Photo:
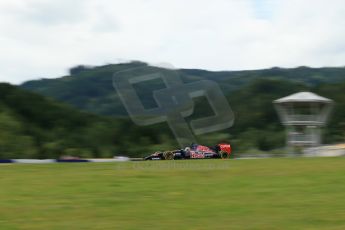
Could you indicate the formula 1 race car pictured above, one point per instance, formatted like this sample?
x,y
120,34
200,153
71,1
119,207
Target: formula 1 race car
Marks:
x,y
195,151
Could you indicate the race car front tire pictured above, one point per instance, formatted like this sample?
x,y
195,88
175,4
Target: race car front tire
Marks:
x,y
223,155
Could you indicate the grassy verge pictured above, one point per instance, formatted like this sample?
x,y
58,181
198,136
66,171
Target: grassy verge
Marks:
x,y
296,193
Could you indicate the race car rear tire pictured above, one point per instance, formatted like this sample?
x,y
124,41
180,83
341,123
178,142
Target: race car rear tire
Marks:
x,y
168,155
223,155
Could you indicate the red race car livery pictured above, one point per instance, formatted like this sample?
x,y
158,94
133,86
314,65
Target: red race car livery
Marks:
x,y
194,151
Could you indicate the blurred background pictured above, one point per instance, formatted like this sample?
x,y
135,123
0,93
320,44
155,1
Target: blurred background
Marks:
x,y
57,60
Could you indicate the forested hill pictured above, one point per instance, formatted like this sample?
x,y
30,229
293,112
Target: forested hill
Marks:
x,y
91,88
33,126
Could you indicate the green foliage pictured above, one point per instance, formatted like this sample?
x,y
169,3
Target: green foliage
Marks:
x,y
91,89
32,126
13,142
35,126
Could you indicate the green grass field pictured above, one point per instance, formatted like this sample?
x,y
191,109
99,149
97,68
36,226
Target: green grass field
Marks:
x,y
296,193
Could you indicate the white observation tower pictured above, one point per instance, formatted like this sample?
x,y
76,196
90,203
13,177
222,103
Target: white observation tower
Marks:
x,y
303,115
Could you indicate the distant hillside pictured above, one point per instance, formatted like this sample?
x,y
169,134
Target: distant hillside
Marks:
x,y
38,127
91,89
32,126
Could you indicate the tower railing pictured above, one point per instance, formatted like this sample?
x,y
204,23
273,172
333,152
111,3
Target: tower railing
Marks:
x,y
303,119
305,139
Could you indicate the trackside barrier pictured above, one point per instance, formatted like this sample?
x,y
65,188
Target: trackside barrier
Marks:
x,y
6,161
49,161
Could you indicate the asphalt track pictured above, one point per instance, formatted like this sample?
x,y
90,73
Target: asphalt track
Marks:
x,y
125,159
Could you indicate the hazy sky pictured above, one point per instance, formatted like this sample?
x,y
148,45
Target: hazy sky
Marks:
x,y
43,38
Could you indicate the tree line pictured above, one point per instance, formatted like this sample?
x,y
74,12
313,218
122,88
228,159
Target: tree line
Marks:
x,y
34,126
